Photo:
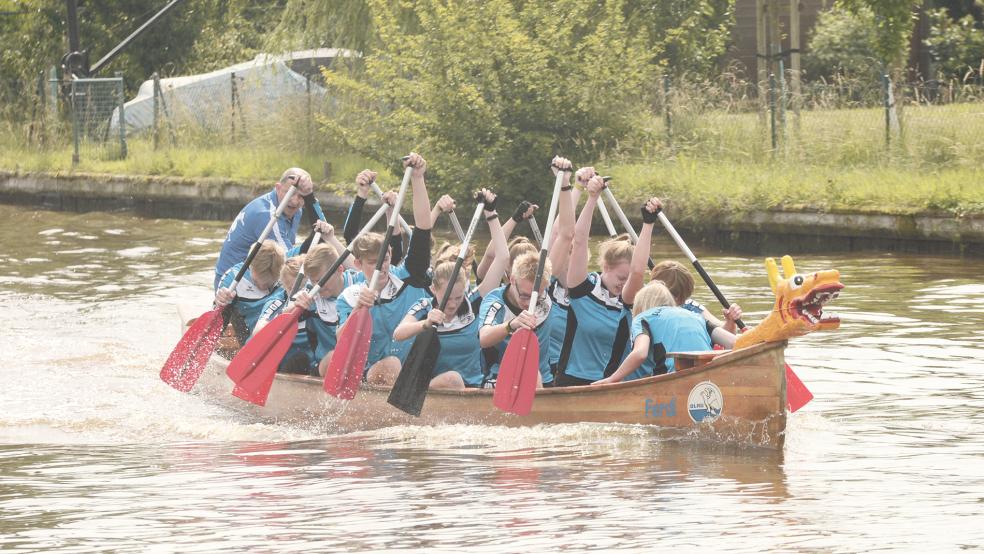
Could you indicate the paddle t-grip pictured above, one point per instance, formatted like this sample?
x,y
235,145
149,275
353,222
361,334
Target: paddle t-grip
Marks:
x,y
633,236
696,263
379,193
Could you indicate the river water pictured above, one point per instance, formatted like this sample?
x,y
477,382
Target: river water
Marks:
x,y
96,454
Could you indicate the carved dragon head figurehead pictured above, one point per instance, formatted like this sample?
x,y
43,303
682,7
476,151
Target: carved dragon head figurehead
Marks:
x,y
798,310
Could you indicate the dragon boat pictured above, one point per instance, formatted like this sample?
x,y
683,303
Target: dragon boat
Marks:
x,y
736,396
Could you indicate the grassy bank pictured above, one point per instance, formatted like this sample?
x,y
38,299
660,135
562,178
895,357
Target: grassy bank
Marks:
x,y
697,188
248,163
702,188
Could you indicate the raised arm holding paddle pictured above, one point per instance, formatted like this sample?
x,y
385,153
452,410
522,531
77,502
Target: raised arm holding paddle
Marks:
x,y
187,361
365,340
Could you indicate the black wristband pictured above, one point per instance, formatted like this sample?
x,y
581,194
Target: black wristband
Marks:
x,y
566,188
520,211
491,217
649,217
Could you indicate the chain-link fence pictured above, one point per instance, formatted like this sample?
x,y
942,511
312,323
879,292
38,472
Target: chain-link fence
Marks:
x,y
841,122
96,104
227,108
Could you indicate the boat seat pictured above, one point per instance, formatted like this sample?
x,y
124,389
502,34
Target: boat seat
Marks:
x,y
696,358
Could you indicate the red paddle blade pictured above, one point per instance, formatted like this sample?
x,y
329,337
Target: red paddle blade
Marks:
x,y
257,349
344,371
187,361
797,395
516,384
256,364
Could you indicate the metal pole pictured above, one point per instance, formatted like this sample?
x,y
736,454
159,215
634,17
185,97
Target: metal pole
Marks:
x,y
232,103
888,110
782,101
119,47
772,110
667,114
122,101
309,112
157,82
75,126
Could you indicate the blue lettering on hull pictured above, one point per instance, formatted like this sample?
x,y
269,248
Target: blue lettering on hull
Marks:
x,y
660,409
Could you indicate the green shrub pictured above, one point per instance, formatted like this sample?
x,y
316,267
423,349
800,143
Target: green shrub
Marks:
x,y
957,46
842,45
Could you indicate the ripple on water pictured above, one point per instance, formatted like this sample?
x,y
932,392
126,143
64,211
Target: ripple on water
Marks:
x,y
97,454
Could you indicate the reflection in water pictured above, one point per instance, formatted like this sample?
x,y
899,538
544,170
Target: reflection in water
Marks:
x,y
97,454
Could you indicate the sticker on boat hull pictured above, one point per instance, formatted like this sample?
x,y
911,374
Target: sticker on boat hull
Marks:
x,y
705,402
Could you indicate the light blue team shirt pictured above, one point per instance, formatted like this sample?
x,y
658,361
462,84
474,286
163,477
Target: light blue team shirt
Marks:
x,y
246,229
597,336
693,306
559,311
670,329
322,319
250,299
273,308
392,305
460,350
496,309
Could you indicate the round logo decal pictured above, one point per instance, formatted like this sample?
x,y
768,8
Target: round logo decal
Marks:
x,y
705,402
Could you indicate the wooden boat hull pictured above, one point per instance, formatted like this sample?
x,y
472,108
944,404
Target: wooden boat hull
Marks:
x,y
739,397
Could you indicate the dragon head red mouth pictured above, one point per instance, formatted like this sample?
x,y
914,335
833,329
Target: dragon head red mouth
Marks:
x,y
809,308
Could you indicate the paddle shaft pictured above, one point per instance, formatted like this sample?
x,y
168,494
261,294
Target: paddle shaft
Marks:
x,y
259,242
389,228
536,230
606,217
348,251
456,224
461,255
558,183
696,263
403,222
315,238
625,221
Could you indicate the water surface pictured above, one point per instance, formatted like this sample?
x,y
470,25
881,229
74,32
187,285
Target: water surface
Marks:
x,y
97,454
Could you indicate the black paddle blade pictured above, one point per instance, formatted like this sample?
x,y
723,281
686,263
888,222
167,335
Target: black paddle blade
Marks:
x,y
410,389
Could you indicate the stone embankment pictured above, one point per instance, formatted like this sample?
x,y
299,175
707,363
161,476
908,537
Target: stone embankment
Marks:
x,y
751,232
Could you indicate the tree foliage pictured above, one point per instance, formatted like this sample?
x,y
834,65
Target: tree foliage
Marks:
x,y
893,23
843,44
196,35
957,46
490,91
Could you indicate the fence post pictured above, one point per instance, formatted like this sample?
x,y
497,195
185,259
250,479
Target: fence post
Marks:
x,y
36,129
75,125
772,111
782,103
310,134
667,114
232,103
888,110
122,101
156,130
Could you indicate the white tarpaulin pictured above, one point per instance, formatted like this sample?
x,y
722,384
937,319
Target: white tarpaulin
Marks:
x,y
263,86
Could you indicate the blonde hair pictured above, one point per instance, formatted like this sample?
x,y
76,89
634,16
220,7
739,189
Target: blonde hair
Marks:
x,y
653,295
319,258
519,246
288,273
615,250
367,246
676,277
442,273
268,262
448,252
524,267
